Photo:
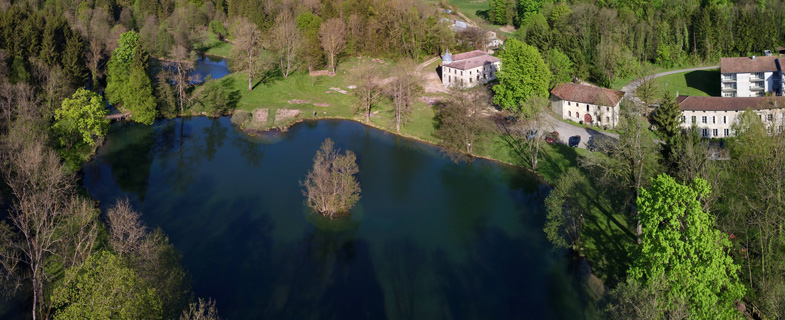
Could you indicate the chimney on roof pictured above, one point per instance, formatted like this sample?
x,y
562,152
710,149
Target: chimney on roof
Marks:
x,y
753,57
767,53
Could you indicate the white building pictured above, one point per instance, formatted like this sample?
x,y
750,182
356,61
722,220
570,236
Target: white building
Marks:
x,y
715,116
468,69
586,104
751,76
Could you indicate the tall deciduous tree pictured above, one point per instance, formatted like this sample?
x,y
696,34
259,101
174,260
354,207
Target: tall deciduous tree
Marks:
x,y
81,119
627,164
285,40
681,244
564,222
560,65
523,75
331,187
368,90
246,47
461,123
40,218
403,89
332,35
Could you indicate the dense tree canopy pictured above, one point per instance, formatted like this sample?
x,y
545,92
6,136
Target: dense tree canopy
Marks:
x,y
680,244
81,119
103,288
523,75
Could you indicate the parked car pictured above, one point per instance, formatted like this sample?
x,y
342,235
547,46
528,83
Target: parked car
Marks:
x,y
552,137
574,141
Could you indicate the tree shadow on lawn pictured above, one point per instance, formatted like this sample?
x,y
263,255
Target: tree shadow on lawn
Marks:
x,y
704,80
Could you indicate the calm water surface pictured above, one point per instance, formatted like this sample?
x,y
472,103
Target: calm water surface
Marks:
x,y
428,240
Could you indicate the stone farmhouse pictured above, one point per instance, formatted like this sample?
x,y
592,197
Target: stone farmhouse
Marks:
x,y
751,76
468,69
714,116
586,104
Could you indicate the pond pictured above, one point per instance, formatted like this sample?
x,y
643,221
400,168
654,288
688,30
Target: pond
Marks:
x,y
430,239
214,67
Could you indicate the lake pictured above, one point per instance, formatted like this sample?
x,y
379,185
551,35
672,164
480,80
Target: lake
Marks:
x,y
429,239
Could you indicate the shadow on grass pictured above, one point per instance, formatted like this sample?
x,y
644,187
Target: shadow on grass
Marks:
x,y
704,80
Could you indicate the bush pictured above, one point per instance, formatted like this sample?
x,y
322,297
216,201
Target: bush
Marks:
x,y
240,117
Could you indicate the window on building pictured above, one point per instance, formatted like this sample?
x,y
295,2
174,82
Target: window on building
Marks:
x,y
705,133
684,119
714,132
569,103
724,119
607,120
578,115
470,80
703,119
569,113
461,72
587,108
713,119
727,132
770,117
693,120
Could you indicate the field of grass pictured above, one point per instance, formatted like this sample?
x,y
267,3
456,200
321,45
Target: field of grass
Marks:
x,y
215,47
276,92
694,83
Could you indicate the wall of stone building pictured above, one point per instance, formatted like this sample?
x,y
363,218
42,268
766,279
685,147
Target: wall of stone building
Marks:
x,y
452,77
719,124
576,111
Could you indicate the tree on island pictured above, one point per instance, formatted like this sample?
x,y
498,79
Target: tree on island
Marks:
x,y
523,75
681,245
331,187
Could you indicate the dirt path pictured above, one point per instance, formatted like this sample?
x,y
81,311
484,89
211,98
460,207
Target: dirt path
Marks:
x,y
426,63
632,87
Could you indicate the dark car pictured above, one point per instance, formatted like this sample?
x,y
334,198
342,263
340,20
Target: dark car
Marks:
x,y
574,141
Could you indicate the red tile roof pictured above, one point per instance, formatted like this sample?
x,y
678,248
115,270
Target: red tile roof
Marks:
x,y
587,94
747,64
693,103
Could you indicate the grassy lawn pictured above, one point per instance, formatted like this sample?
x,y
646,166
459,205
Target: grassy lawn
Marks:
x,y
276,92
621,82
694,83
215,47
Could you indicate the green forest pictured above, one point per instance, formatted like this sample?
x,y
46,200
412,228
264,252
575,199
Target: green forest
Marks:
x,y
692,237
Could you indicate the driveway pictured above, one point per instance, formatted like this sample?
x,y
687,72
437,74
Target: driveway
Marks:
x,y
567,130
632,87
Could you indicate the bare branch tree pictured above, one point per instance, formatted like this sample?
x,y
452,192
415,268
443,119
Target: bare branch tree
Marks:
x,y
461,122
286,41
201,310
403,89
39,183
246,46
125,228
368,89
332,34
182,67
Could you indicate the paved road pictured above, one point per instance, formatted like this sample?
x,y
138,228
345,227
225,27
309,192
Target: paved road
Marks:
x,y
630,88
567,130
